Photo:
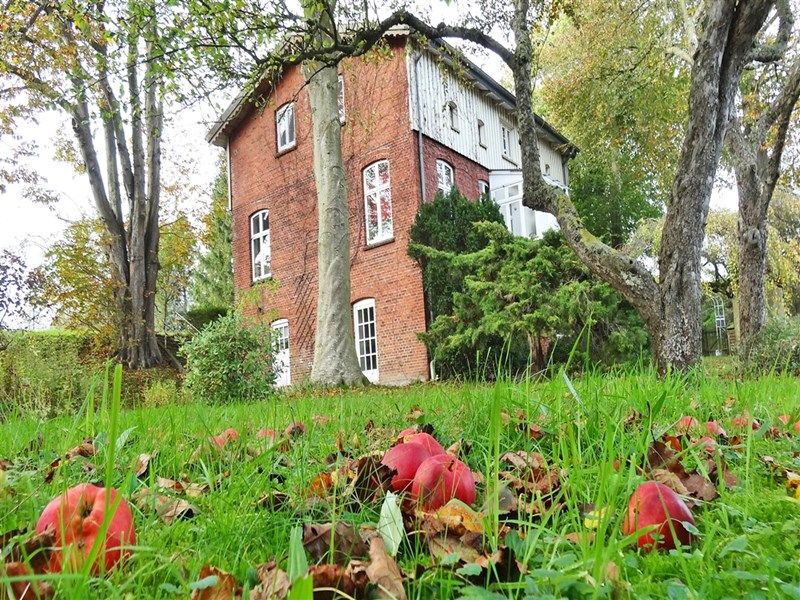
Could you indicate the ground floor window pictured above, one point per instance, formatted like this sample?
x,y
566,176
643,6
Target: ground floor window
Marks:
x,y
364,324
283,375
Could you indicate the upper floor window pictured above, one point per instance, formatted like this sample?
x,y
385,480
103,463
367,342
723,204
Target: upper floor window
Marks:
x,y
506,134
284,127
260,245
481,133
444,176
547,170
452,111
483,187
340,98
378,202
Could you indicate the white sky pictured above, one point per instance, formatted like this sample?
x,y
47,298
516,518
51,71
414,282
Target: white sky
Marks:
x,y
31,228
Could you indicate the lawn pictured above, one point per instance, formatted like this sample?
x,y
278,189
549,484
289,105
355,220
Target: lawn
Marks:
x,y
596,436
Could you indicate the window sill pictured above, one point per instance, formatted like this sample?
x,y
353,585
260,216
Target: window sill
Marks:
x,y
286,150
379,243
456,129
482,145
255,282
507,159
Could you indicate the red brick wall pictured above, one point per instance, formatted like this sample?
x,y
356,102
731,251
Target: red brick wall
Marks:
x,y
377,127
466,173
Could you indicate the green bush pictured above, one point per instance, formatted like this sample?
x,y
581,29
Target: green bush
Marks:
x,y
230,360
45,372
201,316
776,348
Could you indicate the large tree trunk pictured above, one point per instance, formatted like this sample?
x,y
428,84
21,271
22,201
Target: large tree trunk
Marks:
x,y
670,307
335,359
752,267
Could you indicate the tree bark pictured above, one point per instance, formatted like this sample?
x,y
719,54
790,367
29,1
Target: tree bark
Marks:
x,y
335,359
756,151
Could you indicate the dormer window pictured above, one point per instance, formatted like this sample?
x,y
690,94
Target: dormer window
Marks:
x,y
284,127
481,134
452,111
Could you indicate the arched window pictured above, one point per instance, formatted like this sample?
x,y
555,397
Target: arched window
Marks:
x,y
378,202
452,111
260,253
366,335
444,176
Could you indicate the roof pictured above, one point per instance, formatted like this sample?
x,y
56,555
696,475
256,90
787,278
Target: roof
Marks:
x,y
239,109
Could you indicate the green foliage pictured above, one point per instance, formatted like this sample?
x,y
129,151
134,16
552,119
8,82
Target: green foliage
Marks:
x,y
775,349
535,296
610,80
446,224
212,280
176,252
230,360
45,372
200,317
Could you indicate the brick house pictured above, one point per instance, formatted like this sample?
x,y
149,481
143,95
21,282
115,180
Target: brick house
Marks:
x,y
410,126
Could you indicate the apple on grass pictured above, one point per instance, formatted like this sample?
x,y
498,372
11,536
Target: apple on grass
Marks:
x,y
658,513
77,518
229,435
405,459
441,478
425,439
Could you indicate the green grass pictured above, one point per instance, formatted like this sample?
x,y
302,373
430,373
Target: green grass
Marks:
x,y
750,536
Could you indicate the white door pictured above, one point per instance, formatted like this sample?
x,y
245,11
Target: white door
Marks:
x,y
283,374
364,324
509,198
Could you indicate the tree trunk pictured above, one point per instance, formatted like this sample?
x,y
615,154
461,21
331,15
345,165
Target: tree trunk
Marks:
x,y
335,359
752,267
670,307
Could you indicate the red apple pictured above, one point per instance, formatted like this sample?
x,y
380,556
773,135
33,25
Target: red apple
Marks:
x,y
407,432
714,428
441,478
229,435
427,440
77,517
686,423
294,429
797,427
783,419
405,459
657,509
267,433
708,443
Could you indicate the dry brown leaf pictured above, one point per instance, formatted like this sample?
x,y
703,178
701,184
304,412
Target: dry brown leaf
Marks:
x,y
84,449
226,587
30,548
383,571
454,518
321,420
328,578
524,460
168,509
700,487
671,480
274,500
142,465
342,539
273,583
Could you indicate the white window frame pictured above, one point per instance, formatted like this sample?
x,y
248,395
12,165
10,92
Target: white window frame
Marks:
x,y
452,113
483,187
282,343
385,225
340,98
285,124
364,334
443,168
262,259
505,134
481,134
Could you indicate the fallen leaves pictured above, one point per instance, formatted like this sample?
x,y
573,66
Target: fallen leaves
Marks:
x,y
85,449
167,508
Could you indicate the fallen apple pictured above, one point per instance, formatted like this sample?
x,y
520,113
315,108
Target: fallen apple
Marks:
x,y
427,440
294,430
77,518
660,512
266,433
715,428
686,423
405,459
783,419
229,435
797,427
441,478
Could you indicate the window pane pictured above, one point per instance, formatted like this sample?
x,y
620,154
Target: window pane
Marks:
x,y
254,224
369,178
383,172
290,124
387,226
372,217
264,221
